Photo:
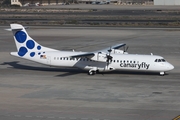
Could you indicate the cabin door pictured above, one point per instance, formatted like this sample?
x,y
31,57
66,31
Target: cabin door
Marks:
x,y
49,60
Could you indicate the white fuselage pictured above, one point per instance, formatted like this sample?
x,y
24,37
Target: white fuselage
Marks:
x,y
132,62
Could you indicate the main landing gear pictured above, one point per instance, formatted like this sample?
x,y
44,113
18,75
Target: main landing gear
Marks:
x,y
92,72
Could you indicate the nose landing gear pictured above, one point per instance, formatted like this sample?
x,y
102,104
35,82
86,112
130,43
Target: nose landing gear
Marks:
x,y
162,73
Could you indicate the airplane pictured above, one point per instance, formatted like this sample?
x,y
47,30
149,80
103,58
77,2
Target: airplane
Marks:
x,y
106,60
35,4
26,5
100,2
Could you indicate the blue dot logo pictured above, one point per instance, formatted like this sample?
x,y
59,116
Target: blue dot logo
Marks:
x,y
20,36
39,47
22,51
32,54
30,44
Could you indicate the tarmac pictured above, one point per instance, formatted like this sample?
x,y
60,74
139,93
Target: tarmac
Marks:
x,y
31,91
113,7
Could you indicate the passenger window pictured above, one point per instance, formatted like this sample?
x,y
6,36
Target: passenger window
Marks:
x,y
117,60
114,60
54,58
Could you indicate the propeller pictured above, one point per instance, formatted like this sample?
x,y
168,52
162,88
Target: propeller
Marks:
x,y
109,57
125,48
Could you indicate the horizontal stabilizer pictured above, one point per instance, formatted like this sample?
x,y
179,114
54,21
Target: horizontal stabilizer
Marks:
x,y
14,54
9,29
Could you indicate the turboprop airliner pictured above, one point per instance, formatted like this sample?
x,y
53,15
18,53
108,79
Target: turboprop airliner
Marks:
x,y
101,2
109,59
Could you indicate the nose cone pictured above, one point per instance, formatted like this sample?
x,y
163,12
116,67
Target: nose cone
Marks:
x,y
170,66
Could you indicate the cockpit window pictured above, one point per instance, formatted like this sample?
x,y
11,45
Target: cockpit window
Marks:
x,y
163,60
160,60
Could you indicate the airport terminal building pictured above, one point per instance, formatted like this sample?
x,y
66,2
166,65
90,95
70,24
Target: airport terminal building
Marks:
x,y
52,2
42,2
119,2
166,2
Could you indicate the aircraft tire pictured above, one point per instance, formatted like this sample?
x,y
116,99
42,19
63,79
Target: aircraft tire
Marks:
x,y
92,72
162,73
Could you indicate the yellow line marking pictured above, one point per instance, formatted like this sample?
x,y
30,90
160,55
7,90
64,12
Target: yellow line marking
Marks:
x,y
177,118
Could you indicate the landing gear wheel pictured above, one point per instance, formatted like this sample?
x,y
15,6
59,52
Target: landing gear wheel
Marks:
x,y
92,72
162,73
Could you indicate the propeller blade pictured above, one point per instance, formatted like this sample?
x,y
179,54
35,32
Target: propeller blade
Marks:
x,y
109,51
124,48
127,48
109,57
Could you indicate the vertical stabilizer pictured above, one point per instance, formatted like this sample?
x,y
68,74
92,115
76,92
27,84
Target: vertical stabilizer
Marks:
x,y
24,43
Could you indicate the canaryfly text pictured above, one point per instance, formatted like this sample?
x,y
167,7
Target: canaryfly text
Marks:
x,y
142,65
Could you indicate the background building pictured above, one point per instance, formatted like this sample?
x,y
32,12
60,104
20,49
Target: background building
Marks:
x,y
16,2
50,2
135,1
121,2
42,2
166,2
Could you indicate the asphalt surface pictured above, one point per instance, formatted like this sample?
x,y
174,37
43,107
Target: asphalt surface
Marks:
x,y
113,7
31,91
83,14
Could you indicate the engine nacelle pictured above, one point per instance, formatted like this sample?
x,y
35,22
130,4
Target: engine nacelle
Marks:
x,y
100,57
117,51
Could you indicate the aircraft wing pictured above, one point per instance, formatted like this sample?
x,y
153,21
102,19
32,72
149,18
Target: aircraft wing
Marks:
x,y
91,55
111,47
88,55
